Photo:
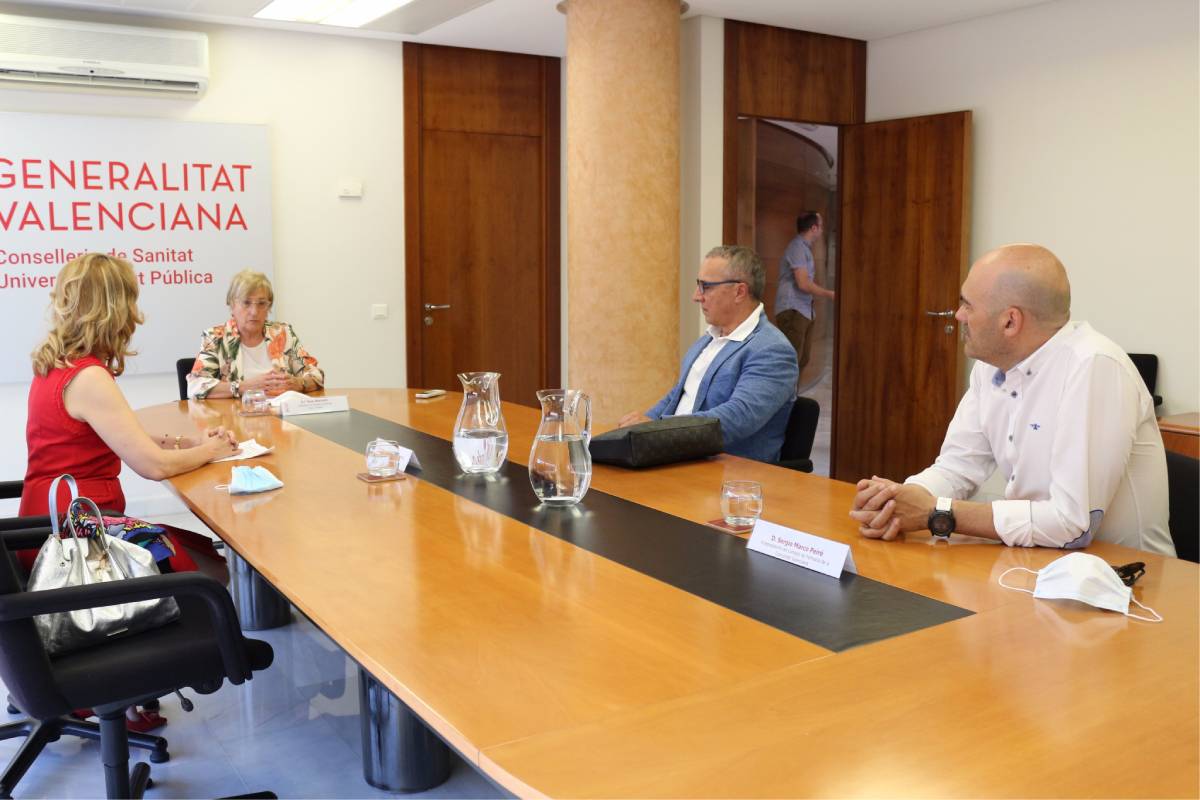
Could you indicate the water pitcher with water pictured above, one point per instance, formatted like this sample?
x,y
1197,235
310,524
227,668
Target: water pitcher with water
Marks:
x,y
560,466
480,435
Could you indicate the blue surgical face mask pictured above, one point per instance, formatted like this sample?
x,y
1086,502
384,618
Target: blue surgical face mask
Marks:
x,y
250,480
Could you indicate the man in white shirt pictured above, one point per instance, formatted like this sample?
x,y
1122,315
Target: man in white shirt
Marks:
x,y
743,371
1056,406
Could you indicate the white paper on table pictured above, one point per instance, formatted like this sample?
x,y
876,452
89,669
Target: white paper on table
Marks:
x,y
802,549
407,457
249,449
280,399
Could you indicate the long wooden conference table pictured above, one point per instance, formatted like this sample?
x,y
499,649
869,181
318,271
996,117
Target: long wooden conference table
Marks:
x,y
623,649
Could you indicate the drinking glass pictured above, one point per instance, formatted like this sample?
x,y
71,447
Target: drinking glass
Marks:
x,y
741,503
254,402
383,458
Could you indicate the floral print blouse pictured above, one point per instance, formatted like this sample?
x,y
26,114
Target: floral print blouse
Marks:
x,y
220,357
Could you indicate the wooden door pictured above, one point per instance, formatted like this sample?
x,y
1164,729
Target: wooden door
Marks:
x,y
482,230
903,253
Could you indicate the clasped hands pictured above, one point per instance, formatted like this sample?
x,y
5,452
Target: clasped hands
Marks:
x,y
273,383
884,509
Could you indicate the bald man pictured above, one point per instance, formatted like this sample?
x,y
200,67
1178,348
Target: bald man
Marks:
x,y
1058,408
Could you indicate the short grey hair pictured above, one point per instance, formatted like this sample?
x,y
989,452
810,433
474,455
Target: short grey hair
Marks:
x,y
744,265
246,283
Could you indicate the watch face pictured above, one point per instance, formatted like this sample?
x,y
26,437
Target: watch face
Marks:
x,y
941,523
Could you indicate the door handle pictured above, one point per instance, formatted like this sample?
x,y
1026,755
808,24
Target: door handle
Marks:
x,y
949,313
434,307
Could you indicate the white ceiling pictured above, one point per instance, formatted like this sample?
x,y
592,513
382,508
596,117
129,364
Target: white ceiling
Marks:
x,y
534,26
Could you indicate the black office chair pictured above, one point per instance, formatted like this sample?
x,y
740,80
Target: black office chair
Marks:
x,y
200,650
798,437
182,367
1147,366
1183,487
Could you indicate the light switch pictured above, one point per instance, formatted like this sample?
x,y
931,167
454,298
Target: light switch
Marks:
x,y
348,188
379,311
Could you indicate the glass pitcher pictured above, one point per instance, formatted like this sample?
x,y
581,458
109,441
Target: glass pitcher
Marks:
x,y
480,435
560,465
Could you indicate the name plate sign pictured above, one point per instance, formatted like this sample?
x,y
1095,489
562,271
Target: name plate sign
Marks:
x,y
295,406
803,549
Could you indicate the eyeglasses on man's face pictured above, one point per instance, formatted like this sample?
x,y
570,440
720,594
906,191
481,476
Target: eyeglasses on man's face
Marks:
x,y
704,286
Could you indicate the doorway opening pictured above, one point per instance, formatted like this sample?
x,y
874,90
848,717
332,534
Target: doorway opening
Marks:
x,y
786,168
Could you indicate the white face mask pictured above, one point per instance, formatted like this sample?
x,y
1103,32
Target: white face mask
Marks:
x,y
1086,578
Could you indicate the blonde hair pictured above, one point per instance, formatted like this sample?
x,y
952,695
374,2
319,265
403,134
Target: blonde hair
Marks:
x,y
246,283
93,312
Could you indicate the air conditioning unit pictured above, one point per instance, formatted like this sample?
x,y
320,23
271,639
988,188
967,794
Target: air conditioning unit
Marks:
x,y
85,54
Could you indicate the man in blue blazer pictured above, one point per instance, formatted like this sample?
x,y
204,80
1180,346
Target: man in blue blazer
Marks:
x,y
743,371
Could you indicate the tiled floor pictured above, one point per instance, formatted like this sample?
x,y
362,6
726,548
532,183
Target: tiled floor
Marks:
x,y
293,729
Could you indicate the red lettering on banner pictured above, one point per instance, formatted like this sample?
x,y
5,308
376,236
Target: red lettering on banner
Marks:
x,y
113,180
28,176
222,180
241,171
166,185
181,214
57,173
202,214
79,220
12,212
235,218
54,226
31,219
203,170
145,177
91,176
133,222
117,219
7,179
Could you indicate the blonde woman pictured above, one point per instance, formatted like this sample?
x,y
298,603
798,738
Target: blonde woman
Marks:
x,y
80,423
250,351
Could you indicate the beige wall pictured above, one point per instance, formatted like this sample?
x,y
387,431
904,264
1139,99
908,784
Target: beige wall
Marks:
x,y
702,132
1085,140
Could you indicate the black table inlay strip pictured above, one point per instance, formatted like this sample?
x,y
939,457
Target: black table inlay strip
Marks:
x,y
693,557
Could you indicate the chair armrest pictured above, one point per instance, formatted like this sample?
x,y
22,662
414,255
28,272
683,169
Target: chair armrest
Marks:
x,y
31,537
40,521
216,598
11,489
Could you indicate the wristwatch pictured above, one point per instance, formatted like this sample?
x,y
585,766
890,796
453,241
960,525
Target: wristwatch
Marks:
x,y
235,388
941,519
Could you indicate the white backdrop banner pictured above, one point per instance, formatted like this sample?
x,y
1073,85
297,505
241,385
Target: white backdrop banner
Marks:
x,y
187,203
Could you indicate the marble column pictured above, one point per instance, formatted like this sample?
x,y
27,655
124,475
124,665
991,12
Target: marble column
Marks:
x,y
622,201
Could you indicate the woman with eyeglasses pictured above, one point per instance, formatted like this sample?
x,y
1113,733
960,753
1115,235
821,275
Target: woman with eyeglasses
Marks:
x,y
251,352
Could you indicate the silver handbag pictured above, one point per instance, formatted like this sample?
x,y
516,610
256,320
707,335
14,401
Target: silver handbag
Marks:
x,y
85,561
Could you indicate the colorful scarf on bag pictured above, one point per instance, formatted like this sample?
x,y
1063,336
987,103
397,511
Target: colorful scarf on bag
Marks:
x,y
132,530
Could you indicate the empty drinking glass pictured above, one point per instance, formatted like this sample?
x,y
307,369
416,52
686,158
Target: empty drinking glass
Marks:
x,y
254,402
741,503
383,458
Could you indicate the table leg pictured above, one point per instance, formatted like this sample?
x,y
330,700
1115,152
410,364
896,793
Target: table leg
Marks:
x,y
400,753
259,605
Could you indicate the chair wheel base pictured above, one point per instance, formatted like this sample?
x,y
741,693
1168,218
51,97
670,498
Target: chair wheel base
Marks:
x,y
159,756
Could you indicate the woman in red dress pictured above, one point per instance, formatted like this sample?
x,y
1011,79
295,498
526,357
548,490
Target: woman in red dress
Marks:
x,y
79,422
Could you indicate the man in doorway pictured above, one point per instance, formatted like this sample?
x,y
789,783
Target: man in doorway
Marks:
x,y
794,295
743,371
1056,406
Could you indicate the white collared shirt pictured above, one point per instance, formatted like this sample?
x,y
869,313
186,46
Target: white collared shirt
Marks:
x,y
1073,432
687,400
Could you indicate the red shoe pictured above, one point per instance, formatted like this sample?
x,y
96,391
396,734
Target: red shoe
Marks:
x,y
83,713
146,722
